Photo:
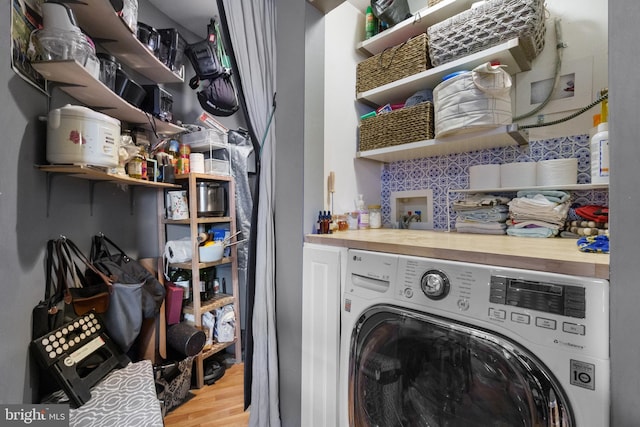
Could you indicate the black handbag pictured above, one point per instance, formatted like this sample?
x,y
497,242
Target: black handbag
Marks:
x,y
48,315
126,270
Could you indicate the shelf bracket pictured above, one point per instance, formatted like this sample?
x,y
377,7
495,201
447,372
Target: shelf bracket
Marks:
x,y
131,199
49,186
520,136
92,185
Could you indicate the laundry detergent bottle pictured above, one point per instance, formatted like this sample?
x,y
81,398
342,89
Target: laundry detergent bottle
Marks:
x,y
600,155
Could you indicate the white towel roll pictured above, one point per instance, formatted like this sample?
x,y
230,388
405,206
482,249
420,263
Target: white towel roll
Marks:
x,y
482,177
520,174
557,172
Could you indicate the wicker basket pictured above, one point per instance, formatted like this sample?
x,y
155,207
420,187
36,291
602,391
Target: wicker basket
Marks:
x,y
397,127
393,64
487,25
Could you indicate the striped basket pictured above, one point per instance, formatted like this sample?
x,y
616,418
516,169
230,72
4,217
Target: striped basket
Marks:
x,y
393,64
397,127
487,25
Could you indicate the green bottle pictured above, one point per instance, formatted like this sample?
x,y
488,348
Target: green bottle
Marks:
x,y
370,23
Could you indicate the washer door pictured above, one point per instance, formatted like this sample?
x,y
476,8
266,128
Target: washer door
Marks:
x,y
411,369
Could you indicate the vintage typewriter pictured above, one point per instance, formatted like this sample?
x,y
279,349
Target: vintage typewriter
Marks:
x,y
78,355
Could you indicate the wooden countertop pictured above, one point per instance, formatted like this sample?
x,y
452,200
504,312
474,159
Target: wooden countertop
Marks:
x,y
556,255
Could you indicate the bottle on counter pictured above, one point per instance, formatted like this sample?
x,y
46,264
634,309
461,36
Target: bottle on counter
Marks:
x,y
375,216
363,213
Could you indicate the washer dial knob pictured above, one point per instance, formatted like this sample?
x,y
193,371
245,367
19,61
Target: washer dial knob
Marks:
x,y
435,284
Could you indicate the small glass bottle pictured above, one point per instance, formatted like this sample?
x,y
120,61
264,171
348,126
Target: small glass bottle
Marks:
x,y
375,216
182,278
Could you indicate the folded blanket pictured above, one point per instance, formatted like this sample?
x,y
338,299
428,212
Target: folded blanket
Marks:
x,y
551,195
472,230
481,225
498,213
531,223
531,232
473,201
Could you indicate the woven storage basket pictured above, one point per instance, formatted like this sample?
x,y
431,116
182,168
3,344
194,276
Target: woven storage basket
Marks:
x,y
393,64
397,127
487,25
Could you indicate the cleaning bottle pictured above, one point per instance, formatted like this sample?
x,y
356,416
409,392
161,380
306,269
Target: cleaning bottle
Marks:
x,y
370,23
363,213
600,155
600,146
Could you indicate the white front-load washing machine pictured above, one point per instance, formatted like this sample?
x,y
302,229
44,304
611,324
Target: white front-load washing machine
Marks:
x,y
428,342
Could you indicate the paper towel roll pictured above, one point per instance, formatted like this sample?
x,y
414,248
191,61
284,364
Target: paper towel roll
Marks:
x,y
484,176
557,172
520,174
178,250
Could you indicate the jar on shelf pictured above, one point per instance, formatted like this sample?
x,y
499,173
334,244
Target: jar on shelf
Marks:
x,y
134,167
375,216
183,160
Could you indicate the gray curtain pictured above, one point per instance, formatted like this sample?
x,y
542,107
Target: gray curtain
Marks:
x,y
252,27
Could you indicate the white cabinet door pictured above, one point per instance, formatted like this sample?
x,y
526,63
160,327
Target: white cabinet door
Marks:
x,y
320,334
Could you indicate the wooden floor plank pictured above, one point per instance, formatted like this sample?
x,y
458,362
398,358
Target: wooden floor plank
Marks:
x,y
217,405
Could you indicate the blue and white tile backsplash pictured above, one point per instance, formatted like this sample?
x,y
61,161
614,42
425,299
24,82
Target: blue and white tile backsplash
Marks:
x,y
442,173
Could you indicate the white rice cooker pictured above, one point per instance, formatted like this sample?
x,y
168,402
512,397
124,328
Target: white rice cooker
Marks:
x,y
79,135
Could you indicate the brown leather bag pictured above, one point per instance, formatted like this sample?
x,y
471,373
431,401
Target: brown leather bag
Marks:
x,y
85,295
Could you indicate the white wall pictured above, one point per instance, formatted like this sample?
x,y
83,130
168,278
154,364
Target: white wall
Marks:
x,y
345,28
584,31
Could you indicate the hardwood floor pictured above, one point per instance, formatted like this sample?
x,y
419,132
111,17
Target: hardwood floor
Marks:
x,y
217,405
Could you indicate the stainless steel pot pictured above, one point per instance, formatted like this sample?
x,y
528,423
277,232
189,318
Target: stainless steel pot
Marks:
x,y
211,199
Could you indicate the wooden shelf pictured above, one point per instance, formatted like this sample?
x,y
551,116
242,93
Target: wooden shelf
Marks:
x,y
509,53
77,82
97,174
99,20
413,26
207,220
197,307
501,136
204,176
215,348
201,265
217,301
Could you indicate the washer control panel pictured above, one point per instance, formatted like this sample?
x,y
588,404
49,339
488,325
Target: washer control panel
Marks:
x,y
564,300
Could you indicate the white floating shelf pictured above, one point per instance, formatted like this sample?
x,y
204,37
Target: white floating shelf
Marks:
x,y
572,187
501,136
509,53
413,26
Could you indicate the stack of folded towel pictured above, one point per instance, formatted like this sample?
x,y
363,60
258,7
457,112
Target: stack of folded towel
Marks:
x,y
481,214
538,213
